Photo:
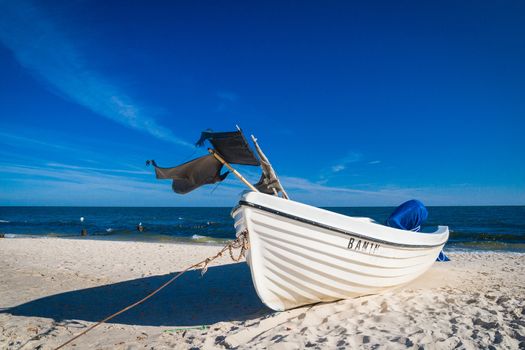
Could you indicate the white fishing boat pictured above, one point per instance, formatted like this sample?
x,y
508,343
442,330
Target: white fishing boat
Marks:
x,y
299,254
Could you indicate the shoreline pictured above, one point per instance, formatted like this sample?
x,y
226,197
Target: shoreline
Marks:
x,y
122,238
487,247
53,288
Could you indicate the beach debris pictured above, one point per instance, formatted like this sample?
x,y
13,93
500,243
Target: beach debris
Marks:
x,y
202,327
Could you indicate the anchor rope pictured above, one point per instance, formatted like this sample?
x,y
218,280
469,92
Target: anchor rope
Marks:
x,y
241,242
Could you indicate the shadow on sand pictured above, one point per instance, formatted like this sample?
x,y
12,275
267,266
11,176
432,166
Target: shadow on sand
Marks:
x,y
225,293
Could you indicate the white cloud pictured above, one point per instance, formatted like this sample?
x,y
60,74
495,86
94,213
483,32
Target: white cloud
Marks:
x,y
83,168
41,46
307,185
320,194
351,157
339,167
64,184
17,140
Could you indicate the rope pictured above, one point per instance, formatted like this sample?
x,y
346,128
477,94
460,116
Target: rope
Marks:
x,y
240,242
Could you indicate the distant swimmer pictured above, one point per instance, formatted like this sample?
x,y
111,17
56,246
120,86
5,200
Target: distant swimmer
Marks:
x,y
140,228
83,232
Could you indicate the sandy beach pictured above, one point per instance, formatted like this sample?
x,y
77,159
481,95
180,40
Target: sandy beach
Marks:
x,y
52,289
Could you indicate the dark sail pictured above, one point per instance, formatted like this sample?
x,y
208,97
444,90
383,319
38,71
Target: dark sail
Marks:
x,y
232,146
193,174
228,148
267,185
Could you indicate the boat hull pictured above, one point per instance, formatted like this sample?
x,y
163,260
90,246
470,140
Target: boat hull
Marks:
x,y
301,255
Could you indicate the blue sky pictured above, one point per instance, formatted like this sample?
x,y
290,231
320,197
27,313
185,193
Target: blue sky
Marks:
x,y
355,104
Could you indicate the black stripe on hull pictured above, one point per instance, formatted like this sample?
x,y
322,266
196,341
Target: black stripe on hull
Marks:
x,y
331,228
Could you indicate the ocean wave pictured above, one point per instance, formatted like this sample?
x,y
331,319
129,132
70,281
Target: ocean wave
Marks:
x,y
485,246
12,235
4,221
486,237
205,239
22,235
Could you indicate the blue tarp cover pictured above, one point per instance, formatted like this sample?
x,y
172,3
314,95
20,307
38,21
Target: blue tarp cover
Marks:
x,y
408,216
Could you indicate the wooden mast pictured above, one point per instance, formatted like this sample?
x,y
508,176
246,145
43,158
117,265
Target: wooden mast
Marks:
x,y
235,172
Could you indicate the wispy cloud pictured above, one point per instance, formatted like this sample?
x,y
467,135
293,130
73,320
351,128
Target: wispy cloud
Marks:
x,y
61,148
374,162
22,140
40,45
84,168
66,184
54,184
73,174
227,100
320,194
228,95
351,157
307,185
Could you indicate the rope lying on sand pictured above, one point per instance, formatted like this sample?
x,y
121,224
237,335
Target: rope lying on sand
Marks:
x,y
241,242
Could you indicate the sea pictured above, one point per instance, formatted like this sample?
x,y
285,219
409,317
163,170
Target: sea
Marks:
x,y
472,228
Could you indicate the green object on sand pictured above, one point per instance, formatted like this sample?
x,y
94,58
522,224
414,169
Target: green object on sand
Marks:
x,y
185,328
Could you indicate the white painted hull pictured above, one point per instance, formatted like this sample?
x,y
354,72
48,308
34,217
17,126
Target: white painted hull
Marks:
x,y
301,255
